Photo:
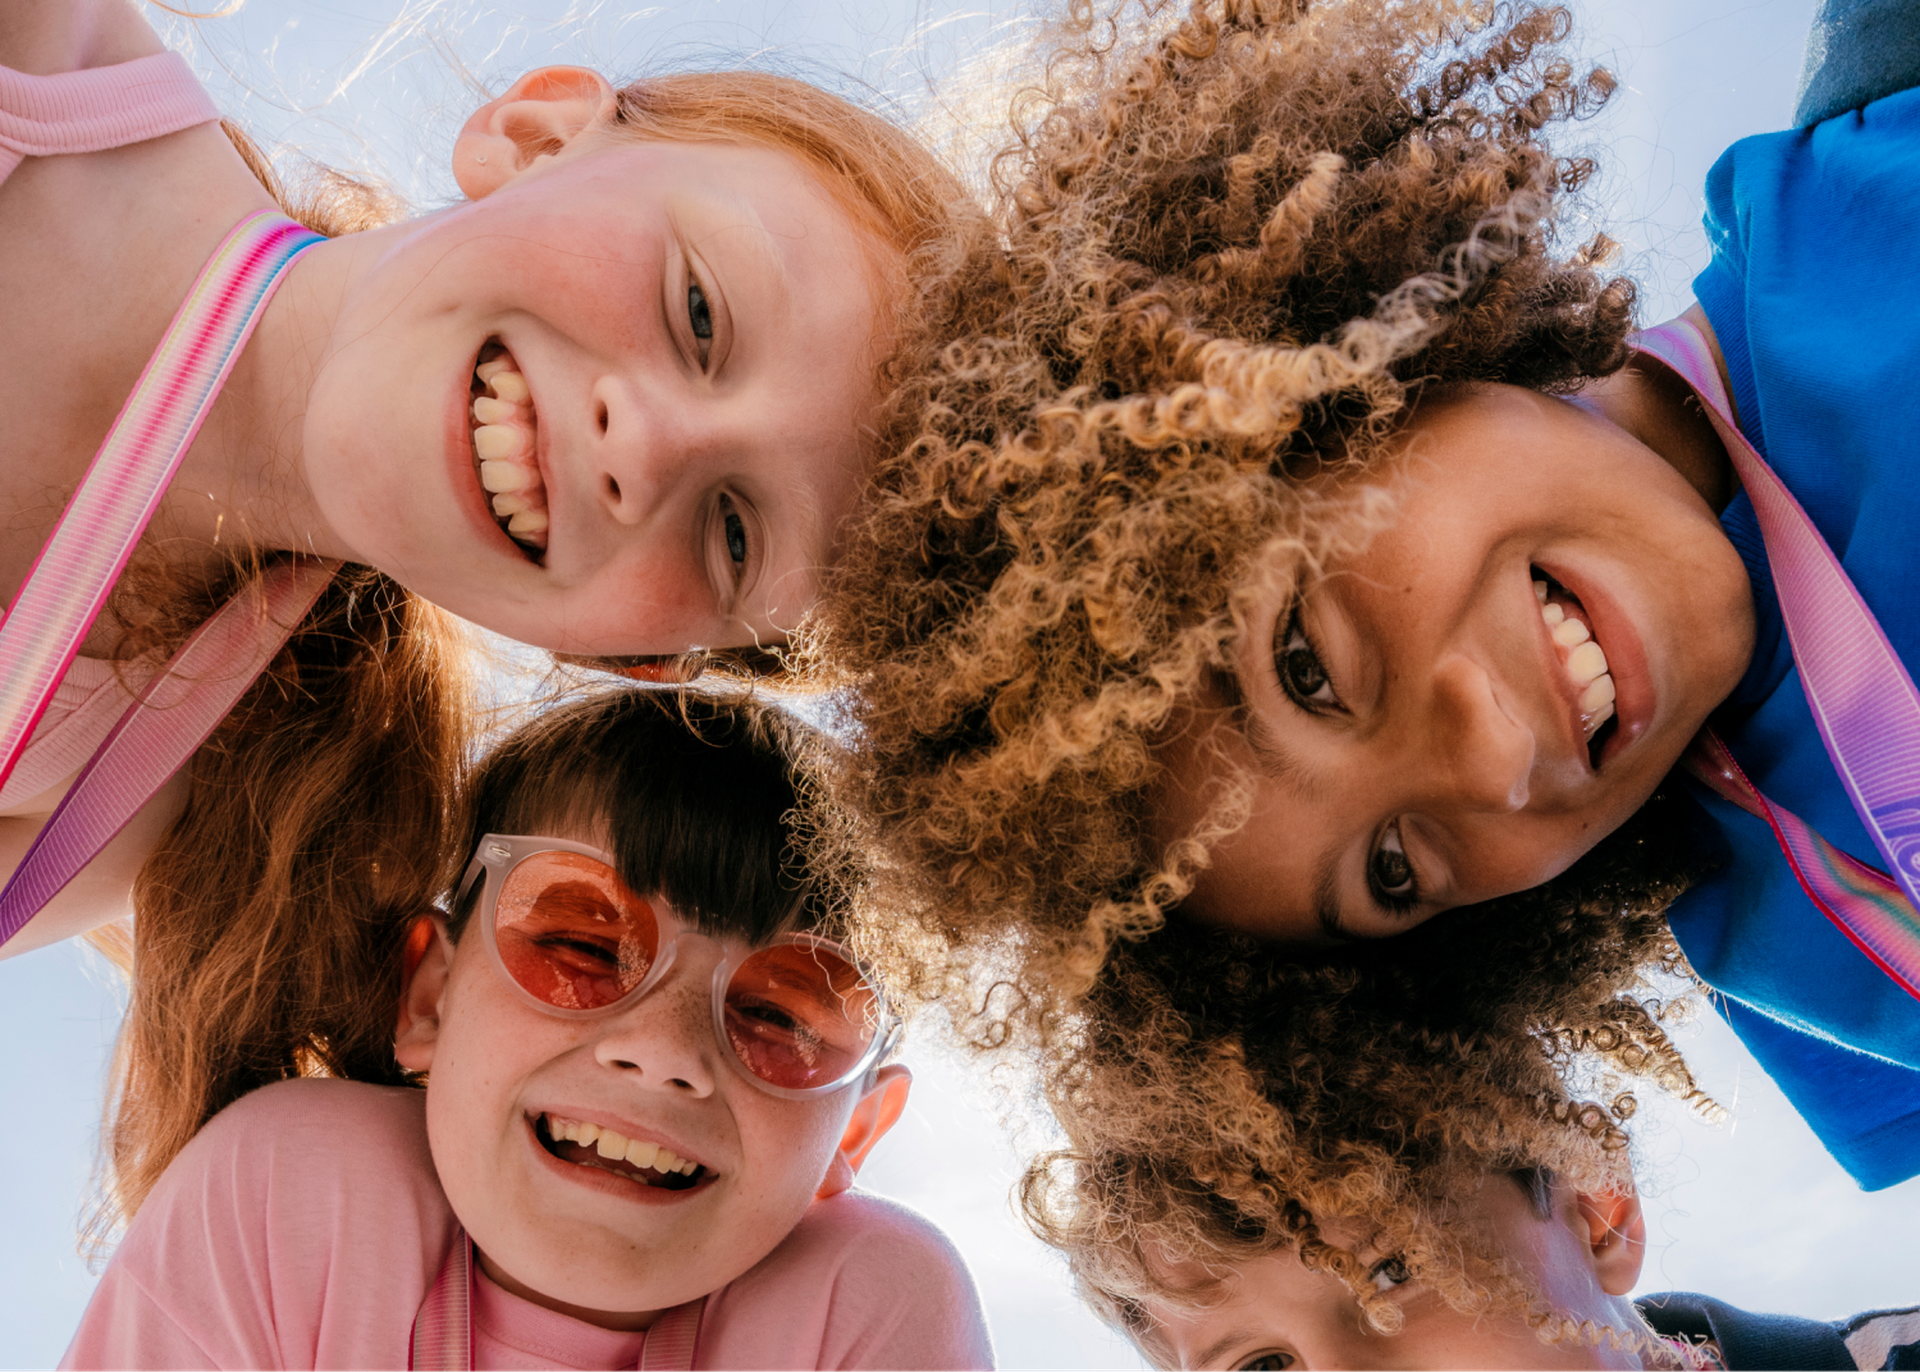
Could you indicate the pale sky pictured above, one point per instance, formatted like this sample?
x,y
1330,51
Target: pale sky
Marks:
x,y
1753,1211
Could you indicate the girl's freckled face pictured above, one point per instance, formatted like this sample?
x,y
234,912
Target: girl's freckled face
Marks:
x,y
695,324
1416,735
655,1071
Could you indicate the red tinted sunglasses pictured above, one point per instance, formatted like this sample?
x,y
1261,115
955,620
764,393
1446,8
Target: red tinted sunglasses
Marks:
x,y
802,1017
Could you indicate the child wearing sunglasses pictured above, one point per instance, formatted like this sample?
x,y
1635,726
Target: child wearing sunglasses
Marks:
x,y
650,1077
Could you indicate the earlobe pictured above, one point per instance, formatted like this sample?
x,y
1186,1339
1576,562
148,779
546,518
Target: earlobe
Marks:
x,y
429,958
1617,1237
540,114
879,1110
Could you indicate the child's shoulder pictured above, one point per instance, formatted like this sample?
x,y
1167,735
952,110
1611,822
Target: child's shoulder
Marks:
x,y
299,1228
341,1139
389,1111
860,1227
860,1282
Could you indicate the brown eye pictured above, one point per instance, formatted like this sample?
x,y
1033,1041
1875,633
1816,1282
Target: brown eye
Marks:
x,y
1390,871
1301,672
1389,1273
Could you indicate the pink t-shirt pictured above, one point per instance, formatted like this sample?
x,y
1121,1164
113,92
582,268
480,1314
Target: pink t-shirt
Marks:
x,y
302,1227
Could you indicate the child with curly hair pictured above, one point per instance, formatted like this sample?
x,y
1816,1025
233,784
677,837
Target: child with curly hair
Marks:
x,y
1276,1174
641,1074
1301,537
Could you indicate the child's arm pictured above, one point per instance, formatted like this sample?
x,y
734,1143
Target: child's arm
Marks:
x,y
42,39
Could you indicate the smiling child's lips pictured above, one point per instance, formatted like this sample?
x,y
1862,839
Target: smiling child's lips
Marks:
x,y
1635,700
648,1168
474,506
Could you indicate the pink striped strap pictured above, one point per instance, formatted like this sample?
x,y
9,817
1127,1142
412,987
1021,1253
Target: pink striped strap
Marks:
x,y
172,716
98,108
442,1336
88,549
1863,701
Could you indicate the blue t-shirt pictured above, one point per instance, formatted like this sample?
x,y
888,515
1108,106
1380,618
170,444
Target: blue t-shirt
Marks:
x,y
1814,295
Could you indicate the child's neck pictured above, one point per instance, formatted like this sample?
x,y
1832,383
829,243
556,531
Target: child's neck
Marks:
x,y
1656,407
248,476
602,1319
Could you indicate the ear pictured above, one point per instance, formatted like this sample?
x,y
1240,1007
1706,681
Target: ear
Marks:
x,y
1616,1232
540,114
879,1109
418,1029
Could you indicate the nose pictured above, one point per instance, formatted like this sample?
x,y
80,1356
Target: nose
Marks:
x,y
1483,752
665,1039
643,456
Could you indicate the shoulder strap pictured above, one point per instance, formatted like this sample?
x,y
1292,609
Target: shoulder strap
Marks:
x,y
88,549
98,107
1863,701
673,1338
442,1335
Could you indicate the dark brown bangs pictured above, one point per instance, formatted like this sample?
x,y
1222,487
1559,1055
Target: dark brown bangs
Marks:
x,y
691,792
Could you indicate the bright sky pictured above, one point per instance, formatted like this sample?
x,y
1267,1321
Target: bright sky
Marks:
x,y
1753,1212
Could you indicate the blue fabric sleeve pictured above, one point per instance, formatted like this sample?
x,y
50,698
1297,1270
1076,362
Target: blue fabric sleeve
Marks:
x,y
1813,292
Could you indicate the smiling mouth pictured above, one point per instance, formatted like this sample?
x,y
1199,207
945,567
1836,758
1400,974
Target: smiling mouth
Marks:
x,y
1582,659
608,1150
503,449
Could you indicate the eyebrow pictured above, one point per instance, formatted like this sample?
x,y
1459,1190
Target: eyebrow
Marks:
x,y
1275,762
1220,1345
1326,897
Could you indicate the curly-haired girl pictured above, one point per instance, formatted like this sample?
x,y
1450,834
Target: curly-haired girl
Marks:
x,y
612,402
1275,1163
1293,541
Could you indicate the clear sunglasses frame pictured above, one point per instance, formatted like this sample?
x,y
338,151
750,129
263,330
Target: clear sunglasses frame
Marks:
x,y
498,854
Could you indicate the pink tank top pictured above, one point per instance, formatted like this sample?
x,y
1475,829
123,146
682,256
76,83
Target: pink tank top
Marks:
x,y
48,116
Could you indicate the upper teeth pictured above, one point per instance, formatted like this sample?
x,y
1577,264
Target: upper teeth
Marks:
x,y
614,1145
503,442
1586,664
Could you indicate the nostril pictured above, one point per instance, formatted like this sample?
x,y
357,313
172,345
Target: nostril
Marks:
x,y
601,418
613,489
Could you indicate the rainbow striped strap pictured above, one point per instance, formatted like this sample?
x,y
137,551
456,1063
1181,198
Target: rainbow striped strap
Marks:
x,y
442,1336
69,582
1862,699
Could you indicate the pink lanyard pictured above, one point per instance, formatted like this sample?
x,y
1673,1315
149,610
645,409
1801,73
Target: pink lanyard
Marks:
x,y
442,1338
70,581
1862,699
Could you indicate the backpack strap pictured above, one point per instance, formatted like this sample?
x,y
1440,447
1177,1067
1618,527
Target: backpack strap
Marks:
x,y
442,1335
1862,699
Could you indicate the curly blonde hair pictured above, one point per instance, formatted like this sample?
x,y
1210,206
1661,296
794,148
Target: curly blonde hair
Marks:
x,y
1237,244
1222,1099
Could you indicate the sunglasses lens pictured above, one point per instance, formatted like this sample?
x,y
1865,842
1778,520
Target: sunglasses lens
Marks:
x,y
571,933
800,1015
